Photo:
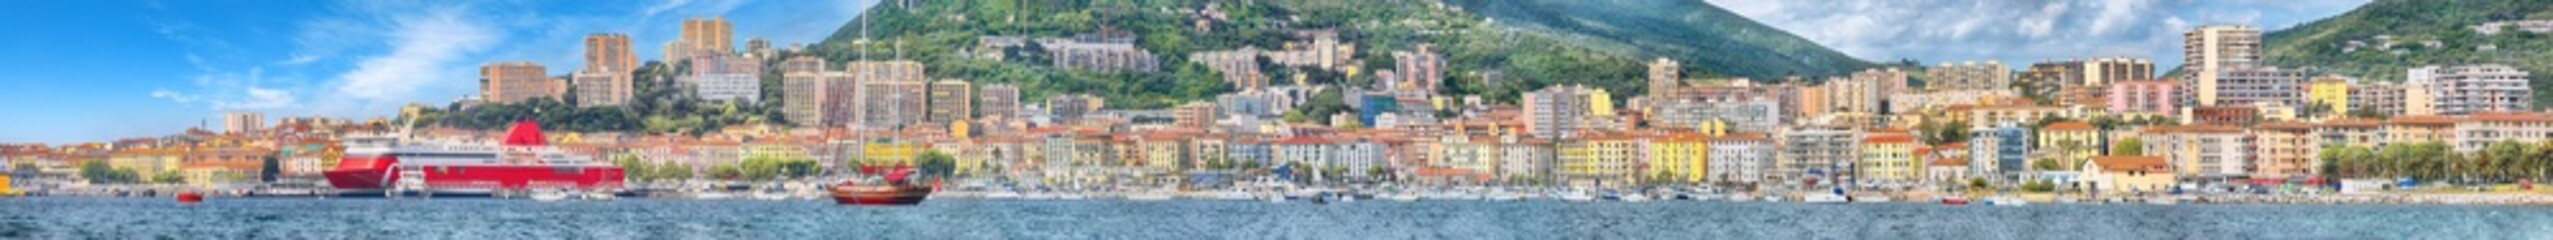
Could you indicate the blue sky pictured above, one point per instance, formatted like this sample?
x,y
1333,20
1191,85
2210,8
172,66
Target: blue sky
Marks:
x,y
102,70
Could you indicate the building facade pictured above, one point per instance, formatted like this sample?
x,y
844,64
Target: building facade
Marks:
x,y
2462,90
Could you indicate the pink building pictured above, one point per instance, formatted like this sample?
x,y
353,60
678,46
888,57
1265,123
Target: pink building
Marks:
x,y
2153,96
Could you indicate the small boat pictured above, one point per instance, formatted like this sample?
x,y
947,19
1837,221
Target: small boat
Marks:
x,y
1954,200
1577,196
1873,199
1504,196
713,196
1041,195
190,197
1071,196
1401,197
2163,201
1825,198
1002,195
895,190
549,195
2007,201
1633,197
1231,195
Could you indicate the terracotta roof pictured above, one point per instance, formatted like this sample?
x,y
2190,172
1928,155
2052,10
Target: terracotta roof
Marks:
x,y
2287,125
1950,162
1889,138
1746,136
2508,117
2195,129
2122,163
1679,137
2351,122
1952,145
1303,140
2422,120
2069,126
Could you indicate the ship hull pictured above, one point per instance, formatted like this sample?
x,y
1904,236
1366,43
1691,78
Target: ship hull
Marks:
x,y
377,173
880,195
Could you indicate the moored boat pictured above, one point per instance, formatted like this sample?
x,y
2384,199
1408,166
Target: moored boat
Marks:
x,y
1954,200
894,190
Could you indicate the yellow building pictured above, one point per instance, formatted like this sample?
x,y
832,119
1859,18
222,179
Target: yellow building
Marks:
x,y
967,157
2128,175
146,163
2285,150
2330,91
1682,157
773,151
1162,151
889,153
1599,160
2072,142
1889,156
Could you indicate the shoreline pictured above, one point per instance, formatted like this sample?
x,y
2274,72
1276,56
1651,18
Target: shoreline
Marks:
x,y
2335,200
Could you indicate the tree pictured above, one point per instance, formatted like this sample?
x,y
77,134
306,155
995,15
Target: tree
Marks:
x,y
270,170
632,169
2065,152
726,171
2367,113
96,171
935,163
2048,165
2130,146
164,177
673,171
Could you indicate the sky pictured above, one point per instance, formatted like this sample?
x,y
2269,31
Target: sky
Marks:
x,y
77,71
80,71
2019,32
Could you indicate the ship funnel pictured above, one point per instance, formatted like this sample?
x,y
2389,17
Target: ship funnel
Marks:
x,y
525,133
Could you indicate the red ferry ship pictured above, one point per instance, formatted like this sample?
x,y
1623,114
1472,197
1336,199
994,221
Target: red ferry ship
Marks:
x,y
523,161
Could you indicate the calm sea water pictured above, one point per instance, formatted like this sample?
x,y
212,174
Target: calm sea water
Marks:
x,y
58,218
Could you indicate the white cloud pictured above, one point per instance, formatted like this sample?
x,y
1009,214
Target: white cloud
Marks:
x,y
233,91
425,50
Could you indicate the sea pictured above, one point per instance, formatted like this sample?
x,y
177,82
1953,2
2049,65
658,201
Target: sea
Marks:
x,y
220,218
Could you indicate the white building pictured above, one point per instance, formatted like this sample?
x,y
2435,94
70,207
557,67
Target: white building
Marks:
x,y
1740,158
2475,88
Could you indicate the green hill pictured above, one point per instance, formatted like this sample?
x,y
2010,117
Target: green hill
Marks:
x,y
1496,60
2355,43
1693,32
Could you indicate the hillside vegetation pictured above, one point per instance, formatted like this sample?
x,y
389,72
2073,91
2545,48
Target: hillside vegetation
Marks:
x,y
2356,43
1703,36
1490,59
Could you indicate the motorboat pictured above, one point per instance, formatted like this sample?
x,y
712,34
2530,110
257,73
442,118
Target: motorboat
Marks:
x,y
2007,201
1577,196
1954,200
